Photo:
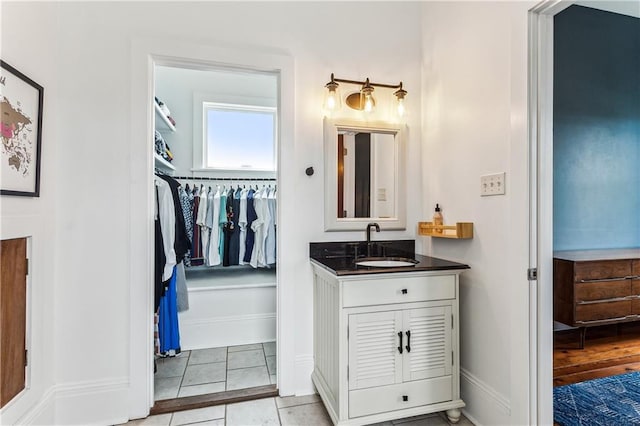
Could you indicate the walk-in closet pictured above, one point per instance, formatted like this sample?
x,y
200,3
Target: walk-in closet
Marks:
x,y
215,157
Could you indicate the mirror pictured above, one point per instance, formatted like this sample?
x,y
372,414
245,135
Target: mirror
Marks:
x,y
363,179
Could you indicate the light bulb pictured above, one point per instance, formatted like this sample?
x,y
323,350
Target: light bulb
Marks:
x,y
332,96
331,100
401,109
368,103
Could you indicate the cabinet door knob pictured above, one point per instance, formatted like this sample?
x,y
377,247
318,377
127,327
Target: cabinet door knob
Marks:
x,y
405,398
400,347
408,347
404,291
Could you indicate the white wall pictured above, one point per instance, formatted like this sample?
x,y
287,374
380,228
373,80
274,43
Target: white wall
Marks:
x,y
82,55
35,57
179,88
474,123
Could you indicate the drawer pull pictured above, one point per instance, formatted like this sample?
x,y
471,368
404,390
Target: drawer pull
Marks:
x,y
616,299
400,347
602,280
602,320
405,398
408,347
404,291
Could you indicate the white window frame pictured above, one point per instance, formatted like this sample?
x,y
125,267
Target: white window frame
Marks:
x,y
207,106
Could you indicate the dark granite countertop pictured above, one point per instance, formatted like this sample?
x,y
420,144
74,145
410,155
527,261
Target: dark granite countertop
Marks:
x,y
339,257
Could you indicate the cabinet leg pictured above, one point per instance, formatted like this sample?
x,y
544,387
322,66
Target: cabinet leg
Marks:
x,y
453,415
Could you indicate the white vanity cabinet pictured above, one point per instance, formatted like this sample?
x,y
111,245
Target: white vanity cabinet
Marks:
x,y
386,345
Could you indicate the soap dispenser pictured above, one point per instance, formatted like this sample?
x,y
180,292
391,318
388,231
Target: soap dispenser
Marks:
x,y
437,220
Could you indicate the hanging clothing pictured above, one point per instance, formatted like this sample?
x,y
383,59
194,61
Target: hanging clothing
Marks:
x,y
181,242
242,223
270,244
169,332
259,226
160,258
234,238
228,229
182,292
186,201
222,219
196,250
213,250
202,220
251,217
166,213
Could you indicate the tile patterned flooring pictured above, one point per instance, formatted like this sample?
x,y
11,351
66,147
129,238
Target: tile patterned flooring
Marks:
x,y
236,367
215,370
288,411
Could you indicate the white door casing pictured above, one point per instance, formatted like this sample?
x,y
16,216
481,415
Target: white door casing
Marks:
x,y
145,54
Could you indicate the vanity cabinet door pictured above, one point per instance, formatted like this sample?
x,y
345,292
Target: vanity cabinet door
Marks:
x,y
427,343
374,357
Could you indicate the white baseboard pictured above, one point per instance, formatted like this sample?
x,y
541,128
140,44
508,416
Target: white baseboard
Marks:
x,y
99,402
227,331
484,405
43,413
304,368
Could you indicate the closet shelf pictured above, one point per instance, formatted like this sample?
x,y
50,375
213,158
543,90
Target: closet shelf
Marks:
x,y
161,163
461,230
163,123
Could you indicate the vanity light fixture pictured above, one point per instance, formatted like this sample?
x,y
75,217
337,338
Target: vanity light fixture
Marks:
x,y
332,97
362,100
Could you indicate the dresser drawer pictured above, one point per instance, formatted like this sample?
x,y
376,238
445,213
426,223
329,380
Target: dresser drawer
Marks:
x,y
598,290
602,270
600,311
398,290
389,398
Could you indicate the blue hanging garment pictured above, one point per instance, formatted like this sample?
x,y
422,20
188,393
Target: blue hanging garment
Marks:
x,y
168,330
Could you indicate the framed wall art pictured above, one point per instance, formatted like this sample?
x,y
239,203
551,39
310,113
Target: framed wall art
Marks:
x,y
20,133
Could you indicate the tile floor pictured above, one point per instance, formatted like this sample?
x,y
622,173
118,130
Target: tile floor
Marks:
x,y
215,370
289,411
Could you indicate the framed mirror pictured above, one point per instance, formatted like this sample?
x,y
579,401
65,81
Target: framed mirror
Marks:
x,y
364,175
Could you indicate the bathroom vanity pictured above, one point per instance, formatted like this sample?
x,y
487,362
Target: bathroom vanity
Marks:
x,y
385,337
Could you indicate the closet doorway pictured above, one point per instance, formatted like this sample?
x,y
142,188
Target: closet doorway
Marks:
x,y
217,138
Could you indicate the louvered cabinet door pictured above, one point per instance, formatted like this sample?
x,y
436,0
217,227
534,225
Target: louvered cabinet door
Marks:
x,y
428,346
374,358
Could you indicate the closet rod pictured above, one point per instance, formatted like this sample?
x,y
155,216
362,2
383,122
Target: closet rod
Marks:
x,y
223,179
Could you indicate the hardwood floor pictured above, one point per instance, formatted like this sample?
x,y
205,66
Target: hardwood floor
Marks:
x,y
608,351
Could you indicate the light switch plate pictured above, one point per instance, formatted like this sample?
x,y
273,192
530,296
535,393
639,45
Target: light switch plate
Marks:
x,y
492,184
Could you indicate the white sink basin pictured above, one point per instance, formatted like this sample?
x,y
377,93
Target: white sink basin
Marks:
x,y
386,263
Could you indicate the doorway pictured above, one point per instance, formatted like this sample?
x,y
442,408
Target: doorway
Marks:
x,y
541,95
146,53
216,131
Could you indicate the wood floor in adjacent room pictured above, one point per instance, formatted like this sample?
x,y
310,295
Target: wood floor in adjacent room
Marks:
x,y
608,351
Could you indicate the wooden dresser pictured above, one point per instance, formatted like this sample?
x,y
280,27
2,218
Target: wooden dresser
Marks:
x,y
596,287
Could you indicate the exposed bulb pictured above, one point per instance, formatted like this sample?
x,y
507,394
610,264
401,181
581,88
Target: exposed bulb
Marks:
x,y
401,108
331,101
368,103
332,96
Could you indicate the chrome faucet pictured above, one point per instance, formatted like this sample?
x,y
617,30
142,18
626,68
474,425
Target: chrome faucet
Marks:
x,y
369,226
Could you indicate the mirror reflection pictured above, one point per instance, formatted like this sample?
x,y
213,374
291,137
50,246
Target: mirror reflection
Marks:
x,y
366,181
364,175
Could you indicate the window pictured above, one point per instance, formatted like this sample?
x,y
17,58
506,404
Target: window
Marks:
x,y
239,137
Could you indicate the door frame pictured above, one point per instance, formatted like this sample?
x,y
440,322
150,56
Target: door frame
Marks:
x,y
540,134
146,53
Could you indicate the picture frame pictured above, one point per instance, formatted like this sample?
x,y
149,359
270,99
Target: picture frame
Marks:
x,y
21,101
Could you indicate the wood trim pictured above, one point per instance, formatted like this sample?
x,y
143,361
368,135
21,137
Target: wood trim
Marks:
x,y
210,399
13,317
